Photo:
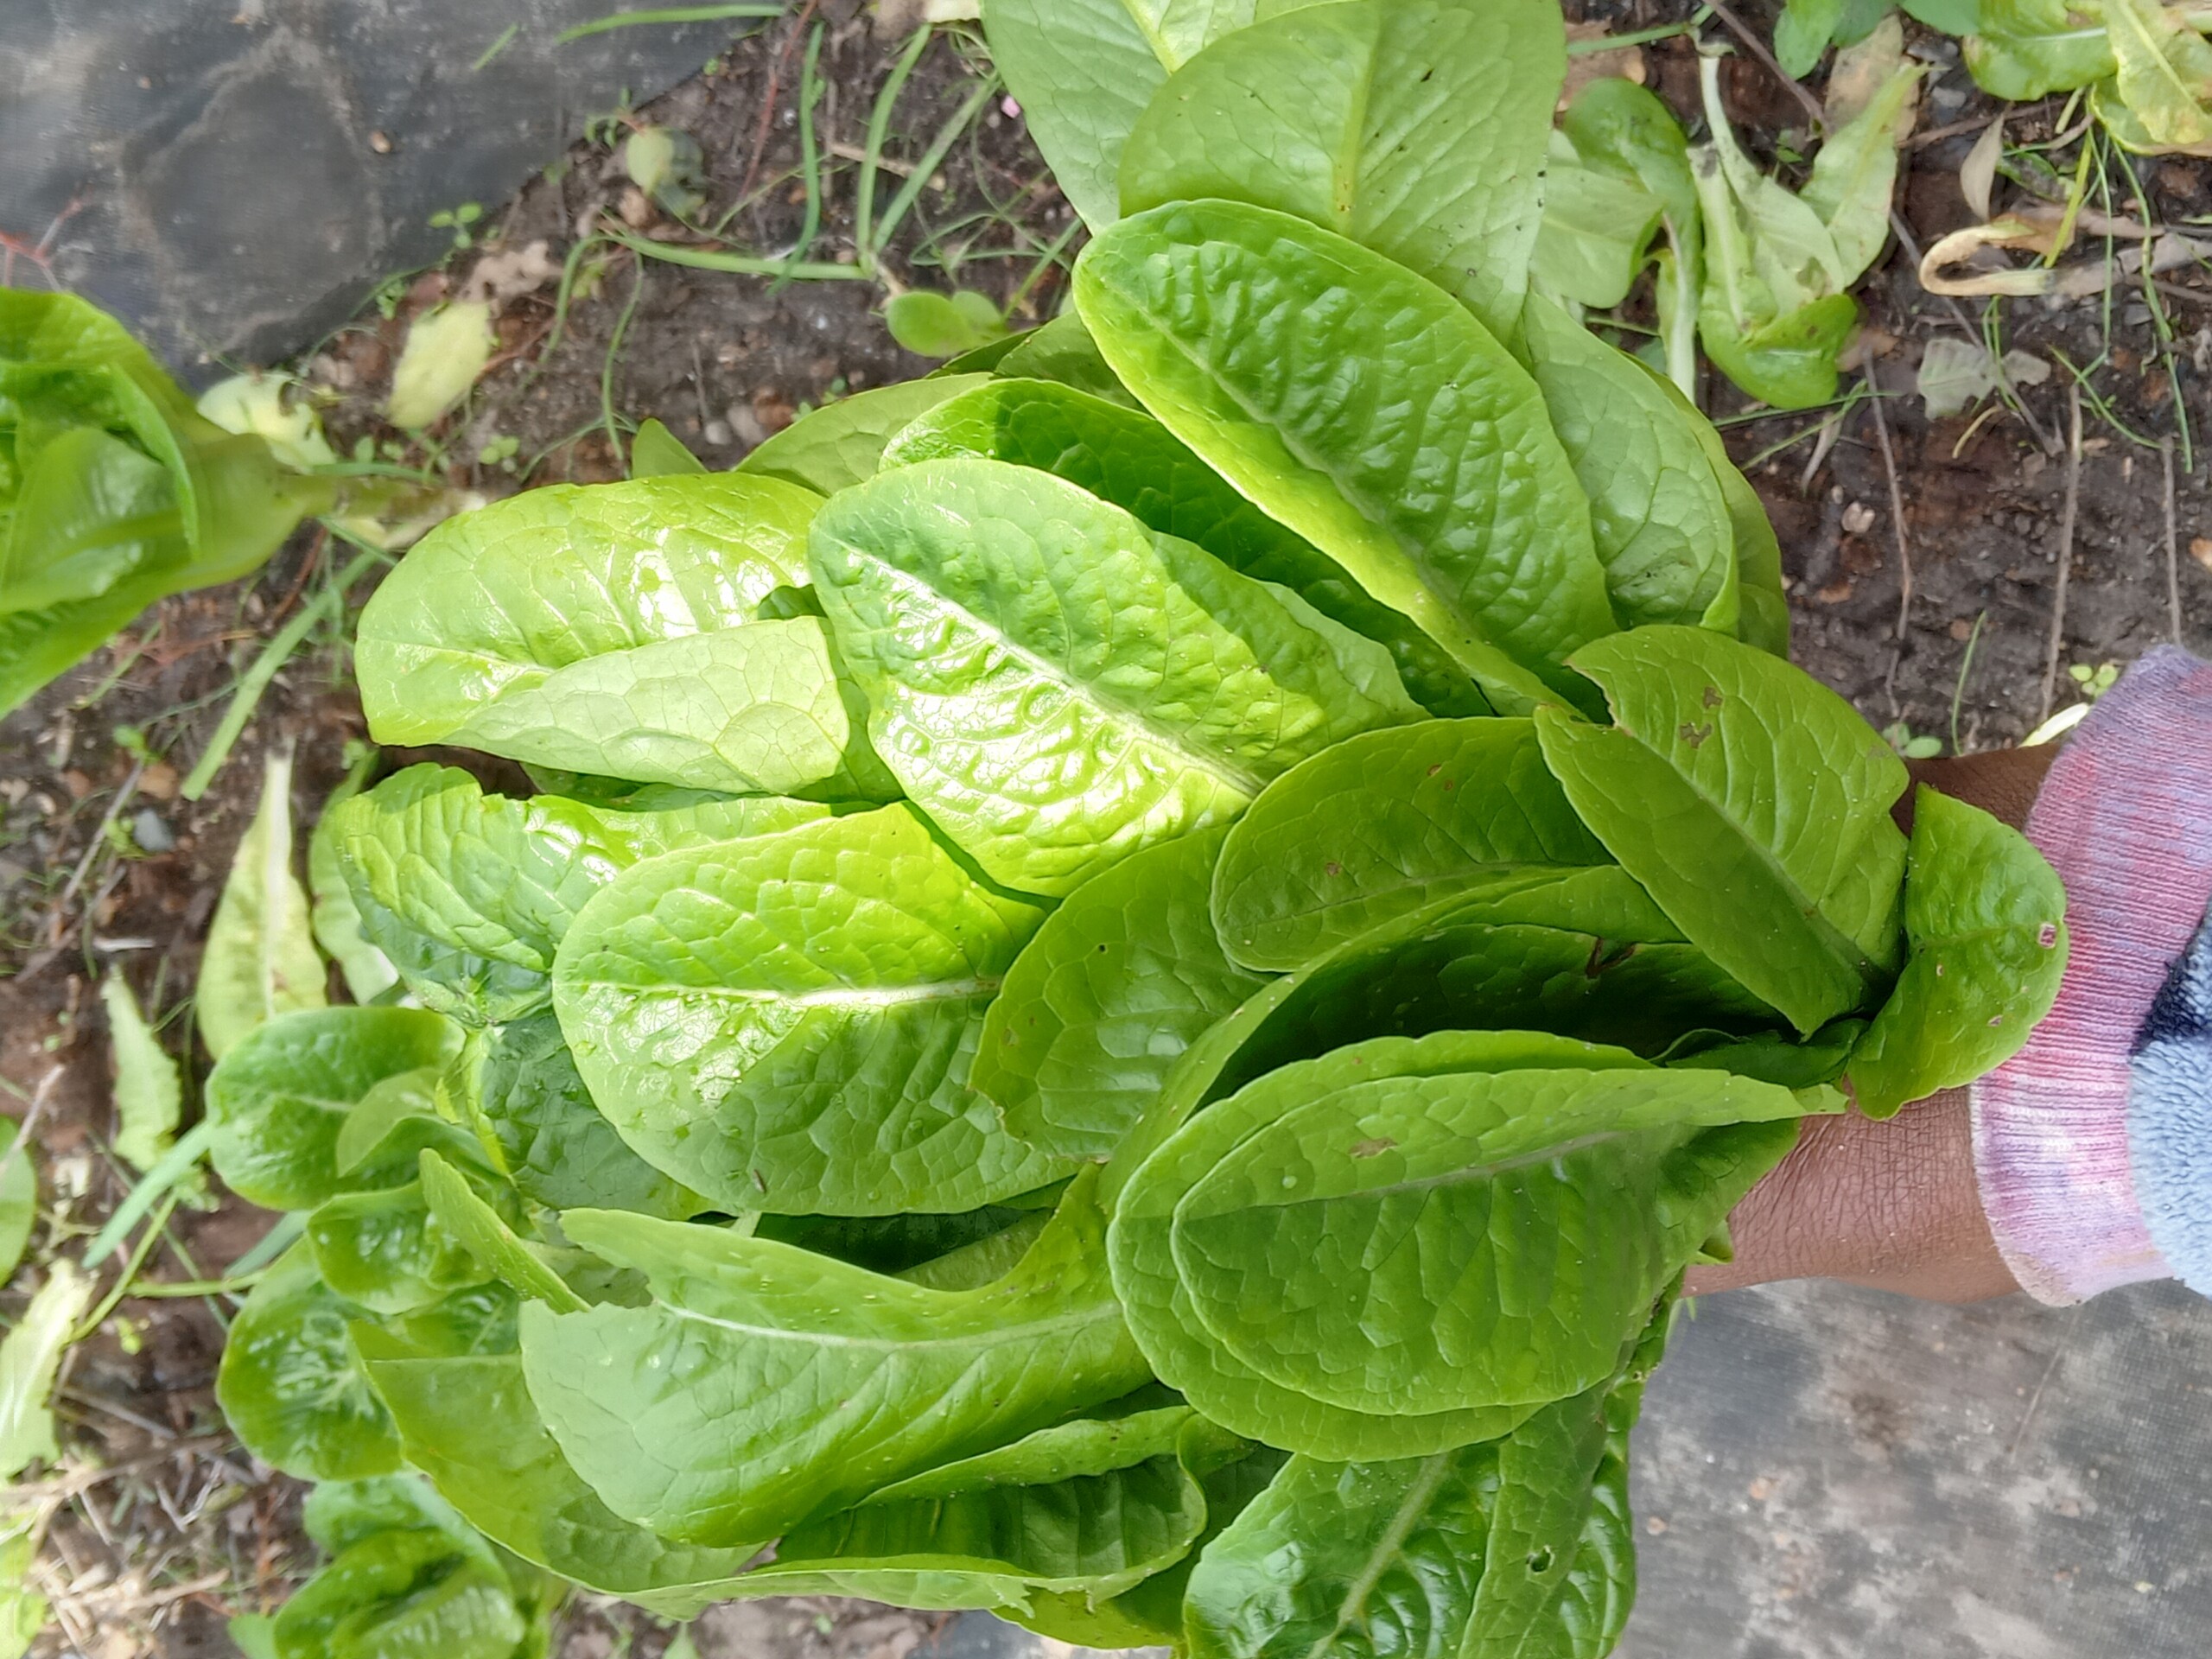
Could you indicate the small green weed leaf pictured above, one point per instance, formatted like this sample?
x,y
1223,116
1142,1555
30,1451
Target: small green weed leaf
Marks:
x,y
943,325
1984,916
1099,1006
792,1336
290,1386
498,601
261,959
1383,824
993,615
656,452
1350,115
1122,456
29,1359
148,1091
787,1024
1753,803
1658,516
281,1098
1281,353
841,443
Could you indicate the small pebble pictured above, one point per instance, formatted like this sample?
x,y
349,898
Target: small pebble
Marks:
x,y
717,432
150,833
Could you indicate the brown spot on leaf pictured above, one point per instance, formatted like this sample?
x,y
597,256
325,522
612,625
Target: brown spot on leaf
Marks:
x,y
1333,868
1374,1148
1713,698
1694,735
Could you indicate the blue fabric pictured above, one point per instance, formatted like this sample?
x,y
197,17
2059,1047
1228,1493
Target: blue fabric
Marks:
x,y
2169,1116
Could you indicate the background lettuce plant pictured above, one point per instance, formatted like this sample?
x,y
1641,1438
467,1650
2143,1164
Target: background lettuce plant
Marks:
x,y
1137,971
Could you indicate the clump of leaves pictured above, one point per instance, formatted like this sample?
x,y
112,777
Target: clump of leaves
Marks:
x,y
1135,971
2147,66
115,491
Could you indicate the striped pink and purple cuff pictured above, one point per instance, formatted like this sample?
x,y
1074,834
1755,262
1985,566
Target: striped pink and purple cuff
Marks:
x,y
2090,1169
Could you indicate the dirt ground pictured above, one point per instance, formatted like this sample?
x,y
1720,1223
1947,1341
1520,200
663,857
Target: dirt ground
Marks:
x,y
103,867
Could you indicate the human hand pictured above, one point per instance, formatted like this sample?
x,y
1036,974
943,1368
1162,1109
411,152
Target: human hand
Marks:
x,y
1891,1205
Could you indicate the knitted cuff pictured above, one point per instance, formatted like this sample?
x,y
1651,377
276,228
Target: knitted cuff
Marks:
x,y
2125,819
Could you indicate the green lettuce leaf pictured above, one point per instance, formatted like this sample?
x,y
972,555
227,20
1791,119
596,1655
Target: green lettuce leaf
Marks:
x,y
1289,357
995,617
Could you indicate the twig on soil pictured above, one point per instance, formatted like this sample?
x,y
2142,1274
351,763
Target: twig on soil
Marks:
x,y
2173,539
2065,546
123,798
768,98
1897,502
1758,49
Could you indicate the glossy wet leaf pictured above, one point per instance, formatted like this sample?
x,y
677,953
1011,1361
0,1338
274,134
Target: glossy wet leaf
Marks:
x,y
1383,825
1369,412
1123,456
386,1252
529,1104
290,1386
1056,684
497,601
1985,919
469,893
717,1414
1414,127
1117,983
148,1089
280,1099
787,1024
841,443
1753,803
260,960
478,1227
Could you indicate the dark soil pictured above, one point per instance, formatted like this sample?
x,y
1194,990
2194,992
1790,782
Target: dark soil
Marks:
x,y
726,359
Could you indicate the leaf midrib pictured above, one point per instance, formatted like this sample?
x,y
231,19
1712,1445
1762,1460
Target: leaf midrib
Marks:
x,y
1242,781
1080,1319
1832,939
1386,1548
